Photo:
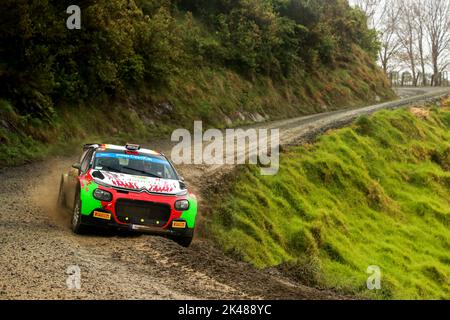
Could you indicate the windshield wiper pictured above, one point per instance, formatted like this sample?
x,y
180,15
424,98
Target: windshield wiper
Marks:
x,y
111,169
143,172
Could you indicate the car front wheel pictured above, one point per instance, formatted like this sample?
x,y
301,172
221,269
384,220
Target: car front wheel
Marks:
x,y
77,227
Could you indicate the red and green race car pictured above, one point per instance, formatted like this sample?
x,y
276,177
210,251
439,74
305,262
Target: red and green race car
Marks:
x,y
128,188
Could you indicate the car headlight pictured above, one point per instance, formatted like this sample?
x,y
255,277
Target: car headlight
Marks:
x,y
181,205
102,195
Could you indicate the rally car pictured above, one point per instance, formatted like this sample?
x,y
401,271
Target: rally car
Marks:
x,y
128,188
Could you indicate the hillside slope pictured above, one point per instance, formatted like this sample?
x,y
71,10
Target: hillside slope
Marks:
x,y
138,69
376,193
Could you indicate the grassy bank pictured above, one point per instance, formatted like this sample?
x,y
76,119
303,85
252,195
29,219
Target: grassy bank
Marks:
x,y
375,193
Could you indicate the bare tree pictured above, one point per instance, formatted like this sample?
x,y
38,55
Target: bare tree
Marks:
x,y
407,35
419,11
437,24
387,32
414,34
382,16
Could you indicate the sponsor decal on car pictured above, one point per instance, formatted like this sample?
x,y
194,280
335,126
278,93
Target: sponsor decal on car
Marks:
x,y
102,215
138,183
179,224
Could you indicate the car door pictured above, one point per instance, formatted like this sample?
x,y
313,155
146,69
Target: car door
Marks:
x,y
74,173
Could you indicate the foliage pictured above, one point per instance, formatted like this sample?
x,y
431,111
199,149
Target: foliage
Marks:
x,y
125,44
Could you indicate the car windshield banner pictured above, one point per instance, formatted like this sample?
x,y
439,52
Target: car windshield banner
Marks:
x,y
130,157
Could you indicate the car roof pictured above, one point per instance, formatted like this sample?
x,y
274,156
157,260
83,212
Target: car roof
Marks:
x,y
112,147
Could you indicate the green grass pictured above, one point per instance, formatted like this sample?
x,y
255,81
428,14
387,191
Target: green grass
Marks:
x,y
374,193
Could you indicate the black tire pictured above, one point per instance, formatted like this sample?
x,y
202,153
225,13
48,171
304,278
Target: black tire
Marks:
x,y
61,195
77,226
184,241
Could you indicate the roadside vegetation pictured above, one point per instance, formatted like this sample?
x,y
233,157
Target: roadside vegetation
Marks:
x,y
375,193
139,68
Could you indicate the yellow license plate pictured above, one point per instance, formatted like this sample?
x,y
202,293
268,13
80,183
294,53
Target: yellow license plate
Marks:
x,y
179,224
102,215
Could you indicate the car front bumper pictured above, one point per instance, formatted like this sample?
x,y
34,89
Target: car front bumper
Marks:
x,y
111,224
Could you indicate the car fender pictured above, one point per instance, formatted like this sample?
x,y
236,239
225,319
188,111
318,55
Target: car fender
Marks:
x,y
190,216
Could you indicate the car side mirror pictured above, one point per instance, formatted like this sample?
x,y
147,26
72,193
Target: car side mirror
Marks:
x,y
181,179
76,166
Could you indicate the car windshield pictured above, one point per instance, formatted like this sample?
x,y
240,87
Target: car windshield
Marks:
x,y
139,165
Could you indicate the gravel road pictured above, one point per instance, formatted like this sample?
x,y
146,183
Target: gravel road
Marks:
x,y
37,246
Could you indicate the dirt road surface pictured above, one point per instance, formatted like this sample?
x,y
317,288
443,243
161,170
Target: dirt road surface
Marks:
x,y
37,247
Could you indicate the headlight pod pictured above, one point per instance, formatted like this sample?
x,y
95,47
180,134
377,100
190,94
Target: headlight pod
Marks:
x,y
102,195
182,205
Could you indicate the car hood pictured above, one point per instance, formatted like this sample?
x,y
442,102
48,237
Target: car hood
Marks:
x,y
137,183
